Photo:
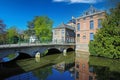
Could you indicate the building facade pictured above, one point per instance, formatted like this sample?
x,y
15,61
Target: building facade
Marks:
x,y
83,70
86,26
63,34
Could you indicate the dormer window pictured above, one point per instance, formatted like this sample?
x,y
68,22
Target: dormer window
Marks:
x,y
86,13
84,18
91,10
94,10
91,17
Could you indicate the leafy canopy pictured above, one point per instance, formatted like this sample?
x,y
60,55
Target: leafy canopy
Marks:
x,y
107,39
43,28
12,34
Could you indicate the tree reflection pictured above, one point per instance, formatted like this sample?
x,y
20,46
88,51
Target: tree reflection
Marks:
x,y
94,68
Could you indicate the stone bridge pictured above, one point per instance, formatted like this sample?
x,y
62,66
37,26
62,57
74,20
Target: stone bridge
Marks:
x,y
32,49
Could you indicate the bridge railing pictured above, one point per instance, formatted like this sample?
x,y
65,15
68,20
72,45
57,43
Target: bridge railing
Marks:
x,y
33,44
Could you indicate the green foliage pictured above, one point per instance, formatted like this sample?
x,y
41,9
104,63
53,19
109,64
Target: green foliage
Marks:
x,y
2,32
11,56
12,35
30,30
107,39
112,64
46,51
2,26
3,38
43,28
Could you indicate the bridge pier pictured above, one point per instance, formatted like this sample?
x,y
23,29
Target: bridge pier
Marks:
x,y
37,55
64,52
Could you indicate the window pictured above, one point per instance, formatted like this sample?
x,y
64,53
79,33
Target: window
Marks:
x,y
99,23
84,37
86,13
67,33
84,18
63,31
78,26
94,10
91,24
77,75
90,78
77,65
91,36
55,32
78,19
78,37
62,39
91,17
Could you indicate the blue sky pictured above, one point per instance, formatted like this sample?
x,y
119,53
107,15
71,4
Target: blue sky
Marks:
x,y
19,12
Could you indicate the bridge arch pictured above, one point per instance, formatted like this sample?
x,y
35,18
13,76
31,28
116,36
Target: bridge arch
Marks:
x,y
53,51
23,55
69,49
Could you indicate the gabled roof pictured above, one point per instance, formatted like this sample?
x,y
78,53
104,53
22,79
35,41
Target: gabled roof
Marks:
x,y
72,21
91,11
62,25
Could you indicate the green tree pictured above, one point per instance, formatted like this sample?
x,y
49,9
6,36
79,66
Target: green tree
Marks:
x,y
43,28
107,39
2,32
30,30
26,35
12,35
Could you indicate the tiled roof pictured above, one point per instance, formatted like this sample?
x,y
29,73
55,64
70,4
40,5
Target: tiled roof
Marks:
x,y
72,21
91,11
62,25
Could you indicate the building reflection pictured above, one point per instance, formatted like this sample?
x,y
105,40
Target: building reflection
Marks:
x,y
82,69
37,59
63,66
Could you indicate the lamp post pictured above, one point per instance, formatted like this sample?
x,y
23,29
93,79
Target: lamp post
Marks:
x,y
19,40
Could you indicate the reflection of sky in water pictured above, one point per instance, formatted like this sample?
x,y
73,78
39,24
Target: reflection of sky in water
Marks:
x,y
7,59
24,76
56,75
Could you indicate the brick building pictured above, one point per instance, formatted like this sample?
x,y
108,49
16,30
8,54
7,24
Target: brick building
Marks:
x,y
64,34
86,27
82,69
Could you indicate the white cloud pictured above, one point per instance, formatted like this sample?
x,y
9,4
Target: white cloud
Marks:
x,y
61,0
78,1
58,0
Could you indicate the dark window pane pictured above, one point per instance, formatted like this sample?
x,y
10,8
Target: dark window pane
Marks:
x,y
91,24
78,26
99,23
91,36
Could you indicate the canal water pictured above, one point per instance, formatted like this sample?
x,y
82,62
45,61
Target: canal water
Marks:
x,y
73,66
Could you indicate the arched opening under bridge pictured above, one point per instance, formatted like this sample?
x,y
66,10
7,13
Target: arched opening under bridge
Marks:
x,y
53,51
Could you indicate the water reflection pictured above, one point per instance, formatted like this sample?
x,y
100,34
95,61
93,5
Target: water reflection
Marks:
x,y
37,59
9,57
94,68
52,67
105,69
59,67
82,66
